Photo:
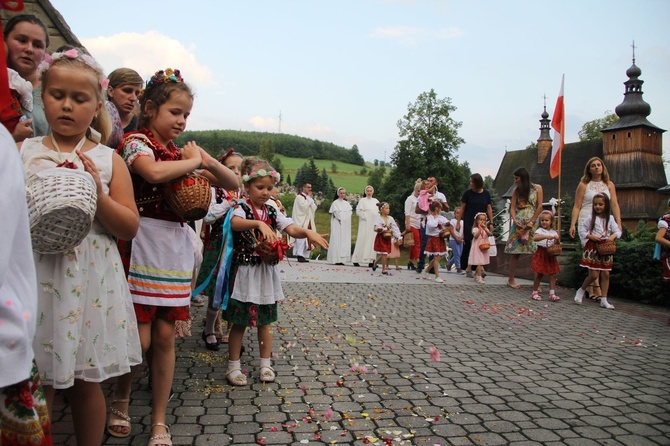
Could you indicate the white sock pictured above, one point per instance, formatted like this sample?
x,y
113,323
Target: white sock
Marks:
x,y
266,362
552,292
232,365
210,320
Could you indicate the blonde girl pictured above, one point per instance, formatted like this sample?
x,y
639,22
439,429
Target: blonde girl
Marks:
x,y
86,330
599,227
382,244
436,246
251,295
480,235
544,263
161,259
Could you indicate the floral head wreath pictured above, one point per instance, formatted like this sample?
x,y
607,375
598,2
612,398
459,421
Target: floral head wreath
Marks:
x,y
478,214
74,53
262,173
167,76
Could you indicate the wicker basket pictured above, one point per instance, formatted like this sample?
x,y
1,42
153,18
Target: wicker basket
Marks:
x,y
387,234
189,196
606,248
61,206
555,250
485,246
445,233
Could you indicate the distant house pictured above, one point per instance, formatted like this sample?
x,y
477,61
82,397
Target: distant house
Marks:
x,y
631,149
59,31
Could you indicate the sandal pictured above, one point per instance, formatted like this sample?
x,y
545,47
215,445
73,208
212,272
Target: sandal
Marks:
x,y
118,419
535,295
239,380
267,374
516,286
161,439
213,346
554,298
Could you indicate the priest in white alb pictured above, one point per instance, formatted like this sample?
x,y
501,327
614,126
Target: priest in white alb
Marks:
x,y
367,211
304,209
339,249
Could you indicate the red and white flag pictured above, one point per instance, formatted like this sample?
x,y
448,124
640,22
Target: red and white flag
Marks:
x,y
558,124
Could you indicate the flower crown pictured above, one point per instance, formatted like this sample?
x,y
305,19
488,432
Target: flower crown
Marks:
x,y
73,53
262,173
167,76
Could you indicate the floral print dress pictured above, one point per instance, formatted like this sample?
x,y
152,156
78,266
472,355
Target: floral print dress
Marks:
x,y
86,326
521,242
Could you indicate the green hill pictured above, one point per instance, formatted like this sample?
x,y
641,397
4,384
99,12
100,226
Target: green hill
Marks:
x,y
248,143
348,175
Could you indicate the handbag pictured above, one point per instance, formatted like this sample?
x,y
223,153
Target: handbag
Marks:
x,y
606,247
556,249
493,249
408,240
485,246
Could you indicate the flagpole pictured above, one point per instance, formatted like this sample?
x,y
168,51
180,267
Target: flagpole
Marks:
x,y
558,212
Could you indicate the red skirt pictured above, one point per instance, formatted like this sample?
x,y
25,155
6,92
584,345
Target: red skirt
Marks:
x,y
382,245
435,246
544,263
666,267
592,260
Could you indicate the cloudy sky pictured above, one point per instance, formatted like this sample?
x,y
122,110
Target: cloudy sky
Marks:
x,y
345,71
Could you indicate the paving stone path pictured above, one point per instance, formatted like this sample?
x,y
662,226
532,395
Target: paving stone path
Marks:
x,y
357,363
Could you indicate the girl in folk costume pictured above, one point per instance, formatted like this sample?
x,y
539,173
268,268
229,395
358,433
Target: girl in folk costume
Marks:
x,y
161,259
222,201
386,229
339,251
599,227
367,211
254,288
86,329
480,235
543,262
435,246
663,240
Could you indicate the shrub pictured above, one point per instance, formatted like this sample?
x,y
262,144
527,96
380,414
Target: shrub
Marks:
x,y
325,205
635,274
287,200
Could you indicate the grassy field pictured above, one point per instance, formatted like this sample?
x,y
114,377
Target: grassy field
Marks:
x,y
347,175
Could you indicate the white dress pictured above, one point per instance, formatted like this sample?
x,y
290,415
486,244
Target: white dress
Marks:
x,y
259,284
339,249
367,211
592,188
86,325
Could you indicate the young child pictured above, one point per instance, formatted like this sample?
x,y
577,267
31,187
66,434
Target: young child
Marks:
x,y
86,330
426,195
543,262
254,287
160,260
436,246
598,227
663,239
480,235
383,244
222,201
456,241
395,252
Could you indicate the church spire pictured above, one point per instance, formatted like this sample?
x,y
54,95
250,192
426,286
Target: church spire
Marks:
x,y
633,111
544,141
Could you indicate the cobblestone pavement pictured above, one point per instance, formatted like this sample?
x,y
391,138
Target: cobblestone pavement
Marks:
x,y
354,366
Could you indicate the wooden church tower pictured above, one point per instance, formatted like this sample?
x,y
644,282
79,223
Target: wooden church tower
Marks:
x,y
632,152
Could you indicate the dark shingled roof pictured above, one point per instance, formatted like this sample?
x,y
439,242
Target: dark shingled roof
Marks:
x,y
575,156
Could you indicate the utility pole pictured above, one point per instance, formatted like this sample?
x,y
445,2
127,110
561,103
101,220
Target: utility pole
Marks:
x,y
279,121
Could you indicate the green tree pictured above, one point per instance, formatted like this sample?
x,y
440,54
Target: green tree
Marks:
x,y
488,182
427,147
376,179
266,151
592,129
308,173
333,167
